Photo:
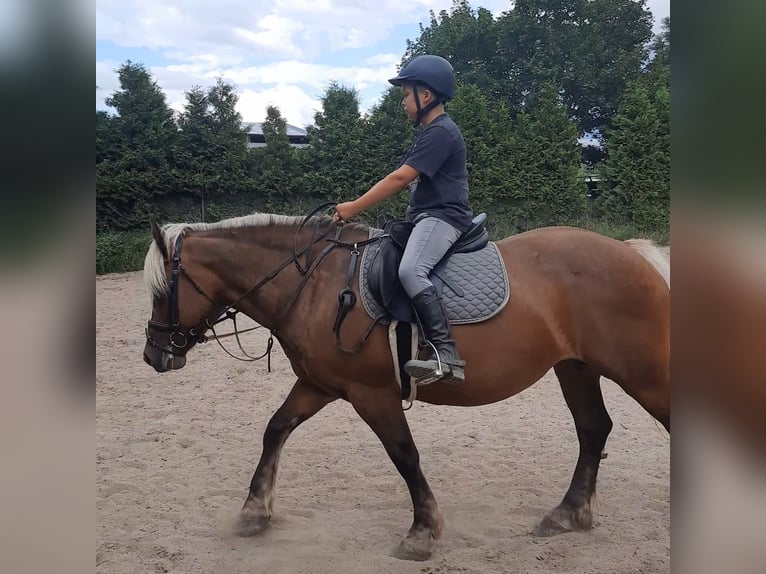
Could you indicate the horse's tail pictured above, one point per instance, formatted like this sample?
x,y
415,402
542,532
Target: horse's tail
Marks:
x,y
654,255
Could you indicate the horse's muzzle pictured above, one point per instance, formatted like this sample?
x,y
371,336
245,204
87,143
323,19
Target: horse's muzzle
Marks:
x,y
162,361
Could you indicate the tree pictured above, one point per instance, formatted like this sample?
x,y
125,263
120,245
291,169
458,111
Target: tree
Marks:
x,y
490,147
661,102
660,47
657,81
553,188
212,152
196,140
590,48
657,72
637,171
229,150
275,172
634,168
136,166
337,153
104,138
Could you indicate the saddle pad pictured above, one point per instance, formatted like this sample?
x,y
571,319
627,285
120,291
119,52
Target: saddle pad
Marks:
x,y
481,275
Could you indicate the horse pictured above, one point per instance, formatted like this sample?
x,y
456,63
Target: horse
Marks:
x,y
581,303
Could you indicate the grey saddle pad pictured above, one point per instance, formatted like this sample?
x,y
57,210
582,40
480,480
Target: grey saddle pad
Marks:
x,y
480,276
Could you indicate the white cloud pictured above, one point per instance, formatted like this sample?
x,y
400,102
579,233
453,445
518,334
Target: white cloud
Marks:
x,y
237,28
281,27
277,52
312,75
275,34
295,105
304,5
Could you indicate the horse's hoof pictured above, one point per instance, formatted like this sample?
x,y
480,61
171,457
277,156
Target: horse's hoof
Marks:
x,y
564,519
252,522
417,546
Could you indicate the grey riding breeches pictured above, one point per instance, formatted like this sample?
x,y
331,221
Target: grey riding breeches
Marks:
x,y
429,242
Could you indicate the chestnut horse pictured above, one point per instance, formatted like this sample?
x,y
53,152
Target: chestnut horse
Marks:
x,y
581,303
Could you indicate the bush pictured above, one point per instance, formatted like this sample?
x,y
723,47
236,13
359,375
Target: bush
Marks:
x,y
121,251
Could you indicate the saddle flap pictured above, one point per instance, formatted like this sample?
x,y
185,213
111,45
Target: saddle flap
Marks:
x,y
384,279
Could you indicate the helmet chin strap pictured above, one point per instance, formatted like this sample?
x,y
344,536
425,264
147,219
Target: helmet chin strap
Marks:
x,y
422,111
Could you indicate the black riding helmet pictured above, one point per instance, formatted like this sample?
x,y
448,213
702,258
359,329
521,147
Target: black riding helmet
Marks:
x,y
433,71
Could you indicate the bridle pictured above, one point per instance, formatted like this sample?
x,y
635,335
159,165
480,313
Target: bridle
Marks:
x,y
178,340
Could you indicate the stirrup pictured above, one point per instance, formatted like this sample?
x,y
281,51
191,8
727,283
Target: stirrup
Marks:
x,y
442,369
449,373
425,375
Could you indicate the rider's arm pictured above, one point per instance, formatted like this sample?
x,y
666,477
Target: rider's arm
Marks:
x,y
385,188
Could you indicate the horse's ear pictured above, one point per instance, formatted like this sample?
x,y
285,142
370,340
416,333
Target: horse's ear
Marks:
x,y
158,238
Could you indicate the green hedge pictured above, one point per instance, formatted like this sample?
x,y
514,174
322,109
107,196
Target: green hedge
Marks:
x,y
121,251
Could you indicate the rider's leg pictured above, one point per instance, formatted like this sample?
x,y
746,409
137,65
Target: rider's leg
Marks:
x,y
430,240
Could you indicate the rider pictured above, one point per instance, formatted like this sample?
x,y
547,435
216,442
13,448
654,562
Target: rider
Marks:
x,y
435,170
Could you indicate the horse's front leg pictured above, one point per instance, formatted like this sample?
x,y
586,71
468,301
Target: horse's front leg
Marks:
x,y
303,402
382,410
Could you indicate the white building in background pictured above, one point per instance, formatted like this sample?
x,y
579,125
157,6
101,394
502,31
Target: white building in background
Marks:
x,y
298,137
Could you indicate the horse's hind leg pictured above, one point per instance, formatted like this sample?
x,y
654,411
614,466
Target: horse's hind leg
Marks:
x,y
582,392
303,402
382,410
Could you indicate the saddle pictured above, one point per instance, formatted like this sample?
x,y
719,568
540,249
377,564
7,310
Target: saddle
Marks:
x,y
454,277
471,279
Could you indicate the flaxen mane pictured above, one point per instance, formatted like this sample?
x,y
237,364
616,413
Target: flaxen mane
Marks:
x,y
154,266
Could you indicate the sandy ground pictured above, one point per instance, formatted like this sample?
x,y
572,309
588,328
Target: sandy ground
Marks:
x,y
175,454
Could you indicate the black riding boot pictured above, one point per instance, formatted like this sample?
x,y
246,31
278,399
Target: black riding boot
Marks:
x,y
430,310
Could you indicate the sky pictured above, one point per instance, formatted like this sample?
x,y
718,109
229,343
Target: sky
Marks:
x,y
276,52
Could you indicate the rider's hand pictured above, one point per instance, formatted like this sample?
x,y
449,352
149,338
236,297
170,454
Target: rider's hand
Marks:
x,y
344,212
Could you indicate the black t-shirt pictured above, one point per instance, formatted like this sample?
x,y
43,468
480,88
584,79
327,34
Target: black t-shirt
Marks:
x,y
438,154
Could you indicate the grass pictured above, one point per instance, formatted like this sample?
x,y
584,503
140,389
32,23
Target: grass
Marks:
x,y
120,252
